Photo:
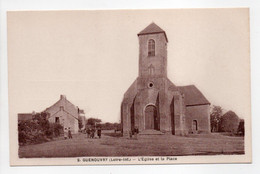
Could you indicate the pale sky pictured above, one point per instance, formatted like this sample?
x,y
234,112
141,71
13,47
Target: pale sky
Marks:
x,y
92,57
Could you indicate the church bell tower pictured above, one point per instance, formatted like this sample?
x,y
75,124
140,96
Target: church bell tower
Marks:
x,y
153,104
152,52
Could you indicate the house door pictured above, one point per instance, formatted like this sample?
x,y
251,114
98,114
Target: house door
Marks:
x,y
150,117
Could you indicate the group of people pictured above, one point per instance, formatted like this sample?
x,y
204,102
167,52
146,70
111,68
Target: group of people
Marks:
x,y
133,133
92,132
67,133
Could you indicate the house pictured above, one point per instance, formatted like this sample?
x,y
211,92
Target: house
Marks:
x,y
65,113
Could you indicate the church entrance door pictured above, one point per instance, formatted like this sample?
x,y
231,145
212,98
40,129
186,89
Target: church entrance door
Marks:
x,y
150,117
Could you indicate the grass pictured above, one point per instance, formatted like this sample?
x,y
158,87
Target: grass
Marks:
x,y
112,144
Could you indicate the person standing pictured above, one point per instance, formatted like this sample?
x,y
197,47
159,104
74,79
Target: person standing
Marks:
x,y
70,136
136,131
88,132
130,134
99,132
92,132
65,133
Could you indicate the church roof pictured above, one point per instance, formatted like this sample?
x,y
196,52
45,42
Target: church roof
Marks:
x,y
193,96
152,29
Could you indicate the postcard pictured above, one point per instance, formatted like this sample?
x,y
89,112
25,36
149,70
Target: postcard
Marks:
x,y
104,87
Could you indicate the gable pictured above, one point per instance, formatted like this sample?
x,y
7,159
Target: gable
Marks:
x,y
67,107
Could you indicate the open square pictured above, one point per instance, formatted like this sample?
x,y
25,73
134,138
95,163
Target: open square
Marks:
x,y
146,145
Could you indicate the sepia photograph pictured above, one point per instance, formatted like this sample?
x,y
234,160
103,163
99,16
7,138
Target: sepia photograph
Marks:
x,y
95,87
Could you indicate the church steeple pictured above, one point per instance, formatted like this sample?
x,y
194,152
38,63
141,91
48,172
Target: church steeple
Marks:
x,y
152,52
152,29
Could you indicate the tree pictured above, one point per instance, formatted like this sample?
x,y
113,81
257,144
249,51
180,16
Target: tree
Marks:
x,y
93,121
215,117
229,122
37,130
110,126
241,127
118,126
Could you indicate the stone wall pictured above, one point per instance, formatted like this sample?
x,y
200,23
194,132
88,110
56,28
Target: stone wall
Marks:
x,y
158,61
66,120
201,114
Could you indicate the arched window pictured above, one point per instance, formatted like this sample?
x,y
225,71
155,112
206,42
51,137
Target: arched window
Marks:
x,y
151,48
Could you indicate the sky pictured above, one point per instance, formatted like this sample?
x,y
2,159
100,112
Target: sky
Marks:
x,y
92,57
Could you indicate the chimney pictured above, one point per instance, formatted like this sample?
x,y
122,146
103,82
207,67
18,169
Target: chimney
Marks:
x,y
62,97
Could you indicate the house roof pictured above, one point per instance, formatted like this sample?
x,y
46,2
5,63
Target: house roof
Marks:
x,y
152,29
25,116
193,96
61,102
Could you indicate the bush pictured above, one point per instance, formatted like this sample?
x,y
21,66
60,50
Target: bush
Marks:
x,y
37,130
229,122
22,137
56,129
111,126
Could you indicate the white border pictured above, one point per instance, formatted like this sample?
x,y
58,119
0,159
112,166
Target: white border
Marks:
x,y
254,6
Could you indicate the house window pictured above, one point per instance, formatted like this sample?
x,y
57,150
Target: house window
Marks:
x,y
57,119
61,108
151,48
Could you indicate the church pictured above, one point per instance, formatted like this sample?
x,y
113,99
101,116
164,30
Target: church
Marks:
x,y
153,104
